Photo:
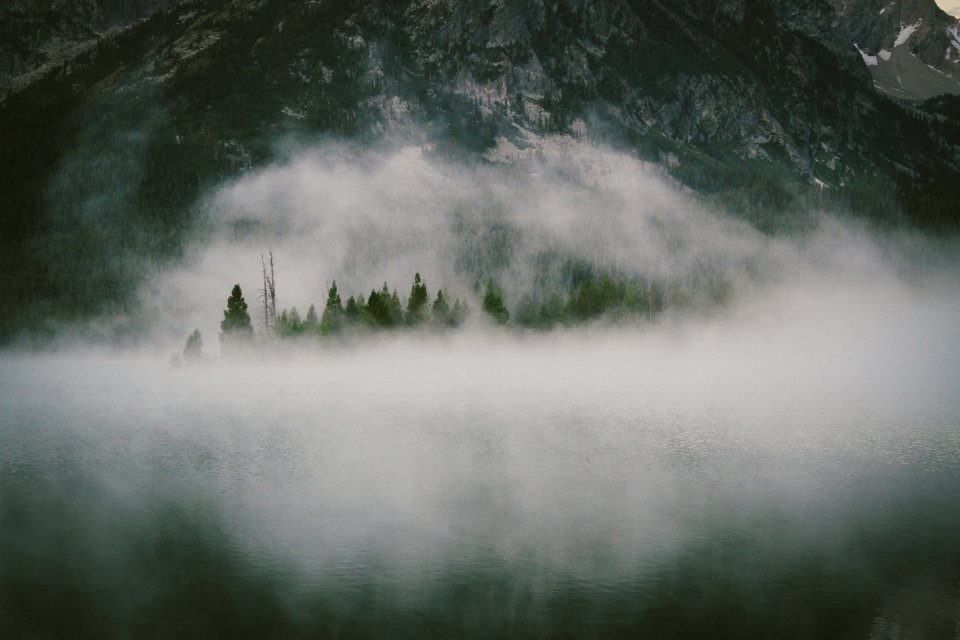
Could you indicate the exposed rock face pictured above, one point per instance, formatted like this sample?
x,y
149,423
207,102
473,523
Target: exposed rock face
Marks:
x,y
910,47
748,101
706,80
37,34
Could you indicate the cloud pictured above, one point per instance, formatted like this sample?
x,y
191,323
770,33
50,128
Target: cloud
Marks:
x,y
743,446
364,217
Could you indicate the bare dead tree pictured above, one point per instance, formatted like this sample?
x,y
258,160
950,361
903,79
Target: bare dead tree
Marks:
x,y
273,293
268,296
263,297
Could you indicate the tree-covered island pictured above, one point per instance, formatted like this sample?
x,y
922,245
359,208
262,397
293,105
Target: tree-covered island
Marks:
x,y
587,296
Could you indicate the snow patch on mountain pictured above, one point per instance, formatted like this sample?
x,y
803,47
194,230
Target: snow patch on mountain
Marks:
x,y
869,60
954,34
906,32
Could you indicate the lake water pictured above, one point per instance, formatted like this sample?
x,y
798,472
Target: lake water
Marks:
x,y
725,483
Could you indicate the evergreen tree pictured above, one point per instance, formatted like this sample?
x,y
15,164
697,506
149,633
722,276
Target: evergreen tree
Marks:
x,y
553,310
351,312
236,321
588,303
458,313
526,313
378,306
193,351
417,302
441,310
332,320
296,323
364,317
493,305
311,323
396,308
290,324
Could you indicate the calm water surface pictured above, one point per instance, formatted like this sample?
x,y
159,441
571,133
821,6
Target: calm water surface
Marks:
x,y
403,493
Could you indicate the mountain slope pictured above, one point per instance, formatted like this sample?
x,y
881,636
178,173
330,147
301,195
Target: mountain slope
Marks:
x,y
38,35
910,47
742,101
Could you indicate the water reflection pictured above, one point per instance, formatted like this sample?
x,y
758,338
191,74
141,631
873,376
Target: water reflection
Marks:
x,y
342,499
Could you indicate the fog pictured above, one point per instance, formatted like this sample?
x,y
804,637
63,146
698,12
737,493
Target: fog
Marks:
x,y
795,447
362,218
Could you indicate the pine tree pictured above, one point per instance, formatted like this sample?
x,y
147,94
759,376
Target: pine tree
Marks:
x,y
332,320
526,313
493,305
458,313
441,310
236,320
193,351
364,316
351,311
289,324
296,323
378,306
396,308
311,322
417,302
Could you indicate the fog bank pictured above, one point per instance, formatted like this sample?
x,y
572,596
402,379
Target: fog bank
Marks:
x,y
364,218
795,442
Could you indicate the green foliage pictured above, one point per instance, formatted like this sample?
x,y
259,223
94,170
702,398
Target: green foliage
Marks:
x,y
493,304
384,309
378,308
440,311
586,296
214,114
332,320
417,302
458,313
193,350
311,324
589,297
289,324
352,311
395,306
236,319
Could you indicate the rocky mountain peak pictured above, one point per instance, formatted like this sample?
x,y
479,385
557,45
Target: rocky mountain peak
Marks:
x,y
910,47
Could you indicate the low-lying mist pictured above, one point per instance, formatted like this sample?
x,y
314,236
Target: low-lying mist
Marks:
x,y
534,228
450,481
361,219
708,472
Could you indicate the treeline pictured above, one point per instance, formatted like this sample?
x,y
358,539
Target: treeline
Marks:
x,y
587,297
381,309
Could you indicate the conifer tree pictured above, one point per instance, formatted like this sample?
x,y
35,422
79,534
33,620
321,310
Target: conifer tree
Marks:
x,y
193,350
396,308
364,317
441,310
289,324
351,311
378,306
236,319
458,313
332,320
311,322
417,302
493,304
296,323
